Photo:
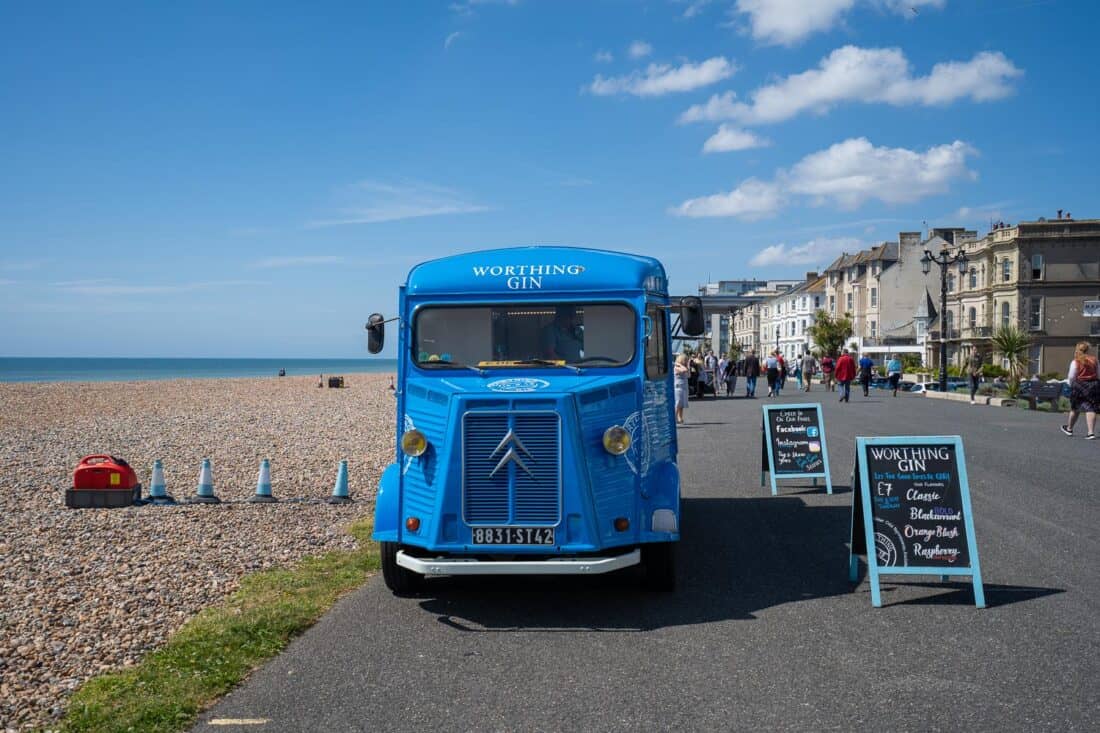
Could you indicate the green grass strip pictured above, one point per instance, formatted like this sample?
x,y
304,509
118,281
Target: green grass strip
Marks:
x,y
216,649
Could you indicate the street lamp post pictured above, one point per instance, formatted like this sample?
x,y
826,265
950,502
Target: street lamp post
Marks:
x,y
944,259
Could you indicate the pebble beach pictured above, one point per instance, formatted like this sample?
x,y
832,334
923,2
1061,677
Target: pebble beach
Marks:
x,y
91,590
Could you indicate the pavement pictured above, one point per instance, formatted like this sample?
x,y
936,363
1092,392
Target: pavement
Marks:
x,y
764,630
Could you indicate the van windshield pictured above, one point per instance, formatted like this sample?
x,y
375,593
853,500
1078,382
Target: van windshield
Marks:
x,y
520,335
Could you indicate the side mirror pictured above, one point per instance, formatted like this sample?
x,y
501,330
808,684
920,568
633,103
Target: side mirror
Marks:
x,y
376,332
691,316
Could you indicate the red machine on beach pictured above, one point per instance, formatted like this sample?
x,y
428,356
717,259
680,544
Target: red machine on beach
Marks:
x,y
103,481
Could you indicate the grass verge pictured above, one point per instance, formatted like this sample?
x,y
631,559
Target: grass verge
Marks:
x,y
216,649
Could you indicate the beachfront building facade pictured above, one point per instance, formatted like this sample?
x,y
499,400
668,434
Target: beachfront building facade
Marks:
x,y
1036,276
885,292
792,313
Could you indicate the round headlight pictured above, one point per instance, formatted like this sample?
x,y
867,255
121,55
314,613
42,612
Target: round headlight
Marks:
x,y
616,440
413,443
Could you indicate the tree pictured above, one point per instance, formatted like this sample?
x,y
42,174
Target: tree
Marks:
x,y
830,333
1012,344
734,352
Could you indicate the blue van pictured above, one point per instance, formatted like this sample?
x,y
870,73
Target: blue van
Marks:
x,y
535,424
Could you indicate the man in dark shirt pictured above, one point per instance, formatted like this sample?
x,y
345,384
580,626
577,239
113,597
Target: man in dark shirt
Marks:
x,y
752,371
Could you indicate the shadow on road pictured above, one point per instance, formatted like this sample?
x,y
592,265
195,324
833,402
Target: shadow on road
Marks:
x,y
962,593
738,556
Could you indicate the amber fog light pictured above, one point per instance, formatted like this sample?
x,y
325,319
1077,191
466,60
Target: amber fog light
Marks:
x,y
616,440
413,443
412,524
622,524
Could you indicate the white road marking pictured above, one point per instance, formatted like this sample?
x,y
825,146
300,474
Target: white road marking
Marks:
x,y
239,721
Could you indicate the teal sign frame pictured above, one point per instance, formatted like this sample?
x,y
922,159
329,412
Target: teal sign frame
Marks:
x,y
861,509
768,457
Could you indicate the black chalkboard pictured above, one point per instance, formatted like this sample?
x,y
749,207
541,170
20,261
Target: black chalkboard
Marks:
x,y
911,511
917,506
794,437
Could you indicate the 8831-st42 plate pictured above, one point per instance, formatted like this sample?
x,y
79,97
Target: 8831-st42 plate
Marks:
x,y
513,535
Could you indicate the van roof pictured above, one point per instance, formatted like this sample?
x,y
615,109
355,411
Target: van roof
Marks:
x,y
533,270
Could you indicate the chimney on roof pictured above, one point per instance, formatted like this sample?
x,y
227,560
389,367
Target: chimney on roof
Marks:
x,y
811,276
1068,215
1059,213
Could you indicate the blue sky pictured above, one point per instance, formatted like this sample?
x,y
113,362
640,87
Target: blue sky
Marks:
x,y
253,179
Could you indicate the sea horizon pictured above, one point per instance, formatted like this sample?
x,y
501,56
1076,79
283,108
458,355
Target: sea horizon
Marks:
x,y
127,369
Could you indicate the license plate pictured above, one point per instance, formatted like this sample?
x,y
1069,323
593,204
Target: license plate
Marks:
x,y
513,535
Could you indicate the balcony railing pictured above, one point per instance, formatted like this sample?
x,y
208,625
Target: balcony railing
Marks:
x,y
978,332
952,333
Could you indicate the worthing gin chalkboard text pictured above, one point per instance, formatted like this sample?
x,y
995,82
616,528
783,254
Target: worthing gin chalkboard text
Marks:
x,y
793,445
911,510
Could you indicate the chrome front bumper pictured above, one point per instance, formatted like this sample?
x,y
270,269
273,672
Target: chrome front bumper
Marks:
x,y
570,566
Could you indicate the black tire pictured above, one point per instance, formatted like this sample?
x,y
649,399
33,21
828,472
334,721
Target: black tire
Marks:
x,y
659,560
398,579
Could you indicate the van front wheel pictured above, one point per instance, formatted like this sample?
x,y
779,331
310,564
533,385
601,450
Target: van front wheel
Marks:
x,y
398,579
659,560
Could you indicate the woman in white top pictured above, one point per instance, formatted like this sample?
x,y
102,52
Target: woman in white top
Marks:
x,y
680,372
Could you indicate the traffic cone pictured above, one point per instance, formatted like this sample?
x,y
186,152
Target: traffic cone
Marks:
x,y
204,494
263,485
158,493
340,489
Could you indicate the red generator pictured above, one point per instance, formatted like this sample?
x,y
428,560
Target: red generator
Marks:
x,y
103,482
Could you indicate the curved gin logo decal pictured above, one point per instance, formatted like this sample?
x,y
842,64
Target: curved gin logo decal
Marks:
x,y
518,384
525,277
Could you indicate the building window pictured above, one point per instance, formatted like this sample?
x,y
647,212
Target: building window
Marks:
x,y
802,327
973,317
874,297
950,282
817,302
949,324
849,301
973,278
832,304
1094,327
874,329
1006,270
1035,318
1036,267
1004,312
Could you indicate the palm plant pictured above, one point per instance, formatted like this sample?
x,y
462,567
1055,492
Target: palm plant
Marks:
x,y
1012,344
830,333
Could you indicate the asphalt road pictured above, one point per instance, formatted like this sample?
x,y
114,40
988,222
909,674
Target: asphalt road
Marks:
x,y
764,631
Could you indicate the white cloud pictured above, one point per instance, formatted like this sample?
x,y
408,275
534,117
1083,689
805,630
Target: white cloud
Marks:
x,y
820,251
786,22
753,199
661,79
296,261
694,7
576,182
372,202
451,38
466,7
729,138
639,49
851,172
853,74
604,57
846,174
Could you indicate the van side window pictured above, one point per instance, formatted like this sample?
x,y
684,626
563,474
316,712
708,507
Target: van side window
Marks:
x,y
656,346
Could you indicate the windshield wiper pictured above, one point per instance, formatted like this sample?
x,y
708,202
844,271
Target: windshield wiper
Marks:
x,y
457,364
548,362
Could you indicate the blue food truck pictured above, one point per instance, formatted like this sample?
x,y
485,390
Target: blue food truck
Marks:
x,y
535,426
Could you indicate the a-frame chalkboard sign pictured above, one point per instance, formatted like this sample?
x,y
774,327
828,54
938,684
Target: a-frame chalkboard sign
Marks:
x,y
911,511
793,445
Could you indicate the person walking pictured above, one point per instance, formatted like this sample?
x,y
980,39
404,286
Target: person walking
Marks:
x,y
893,373
720,375
781,378
828,365
845,373
974,371
731,378
771,367
680,374
866,370
798,372
752,373
809,368
1084,391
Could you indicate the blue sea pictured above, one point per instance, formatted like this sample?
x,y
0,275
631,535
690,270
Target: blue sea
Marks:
x,y
40,369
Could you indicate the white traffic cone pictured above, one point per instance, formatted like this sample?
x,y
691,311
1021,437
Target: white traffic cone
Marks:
x,y
204,494
263,485
158,491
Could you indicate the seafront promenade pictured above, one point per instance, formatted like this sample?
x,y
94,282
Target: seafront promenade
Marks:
x,y
91,590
